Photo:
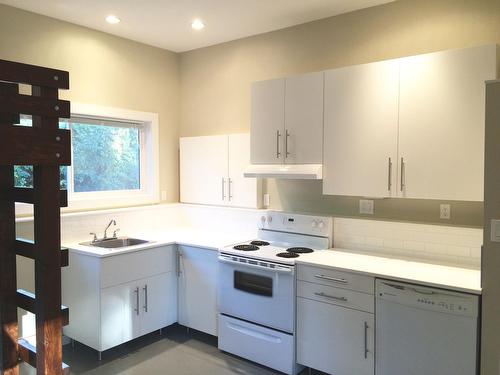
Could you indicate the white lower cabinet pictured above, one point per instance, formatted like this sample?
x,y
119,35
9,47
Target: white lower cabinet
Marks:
x,y
335,327
137,308
332,338
118,298
119,322
197,288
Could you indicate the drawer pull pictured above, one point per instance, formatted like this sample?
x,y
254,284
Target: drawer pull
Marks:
x,y
334,279
321,294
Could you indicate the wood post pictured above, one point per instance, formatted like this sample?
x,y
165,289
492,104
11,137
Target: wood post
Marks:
x,y
8,287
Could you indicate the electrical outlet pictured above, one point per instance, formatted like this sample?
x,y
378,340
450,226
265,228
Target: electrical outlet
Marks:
x,y
267,200
445,211
366,206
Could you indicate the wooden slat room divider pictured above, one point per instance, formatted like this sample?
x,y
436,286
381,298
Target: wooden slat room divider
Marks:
x,y
46,148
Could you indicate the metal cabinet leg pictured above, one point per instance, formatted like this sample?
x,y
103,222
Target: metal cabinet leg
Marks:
x,y
100,356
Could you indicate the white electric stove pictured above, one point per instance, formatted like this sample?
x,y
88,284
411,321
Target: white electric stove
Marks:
x,y
257,288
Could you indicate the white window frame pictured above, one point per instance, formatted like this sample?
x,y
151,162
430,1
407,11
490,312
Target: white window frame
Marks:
x,y
149,141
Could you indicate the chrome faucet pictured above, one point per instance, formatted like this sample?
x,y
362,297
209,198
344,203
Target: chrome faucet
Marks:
x,y
112,222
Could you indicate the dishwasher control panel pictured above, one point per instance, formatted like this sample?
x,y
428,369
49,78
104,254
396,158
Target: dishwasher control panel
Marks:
x,y
438,300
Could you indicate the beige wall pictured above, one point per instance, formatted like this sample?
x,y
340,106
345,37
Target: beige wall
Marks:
x,y
215,81
104,70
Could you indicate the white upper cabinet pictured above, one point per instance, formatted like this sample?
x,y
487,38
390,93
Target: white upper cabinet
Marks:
x,y
211,171
408,128
441,123
203,169
303,138
242,192
268,121
287,120
361,130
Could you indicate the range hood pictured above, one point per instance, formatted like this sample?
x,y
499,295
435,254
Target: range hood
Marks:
x,y
284,171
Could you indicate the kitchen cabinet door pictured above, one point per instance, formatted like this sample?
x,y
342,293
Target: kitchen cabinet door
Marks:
x,y
242,192
303,138
203,169
158,302
361,130
441,123
333,339
197,289
120,314
267,121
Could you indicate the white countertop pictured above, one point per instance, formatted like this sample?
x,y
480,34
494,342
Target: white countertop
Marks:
x,y
183,236
455,278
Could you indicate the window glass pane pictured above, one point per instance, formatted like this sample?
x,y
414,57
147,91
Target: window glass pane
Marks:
x,y
105,157
23,174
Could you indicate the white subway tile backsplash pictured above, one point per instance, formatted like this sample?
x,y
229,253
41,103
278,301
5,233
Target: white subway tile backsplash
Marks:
x,y
432,243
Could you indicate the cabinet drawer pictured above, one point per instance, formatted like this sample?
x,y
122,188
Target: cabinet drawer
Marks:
x,y
340,279
123,268
336,296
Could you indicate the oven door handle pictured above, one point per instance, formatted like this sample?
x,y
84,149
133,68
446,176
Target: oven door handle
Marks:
x,y
281,269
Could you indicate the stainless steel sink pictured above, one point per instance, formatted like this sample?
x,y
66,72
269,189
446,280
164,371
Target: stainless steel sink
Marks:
x,y
114,243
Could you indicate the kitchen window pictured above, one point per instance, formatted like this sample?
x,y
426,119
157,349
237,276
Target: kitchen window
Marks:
x,y
114,158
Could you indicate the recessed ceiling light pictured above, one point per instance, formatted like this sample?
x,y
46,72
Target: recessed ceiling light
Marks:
x,y
112,19
197,24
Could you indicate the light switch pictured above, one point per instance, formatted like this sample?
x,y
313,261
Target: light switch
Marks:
x,y
366,206
495,230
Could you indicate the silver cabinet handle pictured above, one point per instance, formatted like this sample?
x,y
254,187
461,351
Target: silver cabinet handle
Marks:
x,y
287,135
136,291
366,340
389,179
145,289
278,153
223,185
178,258
321,294
402,174
334,279
229,189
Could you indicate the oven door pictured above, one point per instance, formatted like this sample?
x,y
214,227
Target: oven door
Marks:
x,y
252,290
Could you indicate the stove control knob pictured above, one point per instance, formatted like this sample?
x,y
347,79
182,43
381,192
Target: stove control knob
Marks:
x,y
321,225
314,223
263,219
269,218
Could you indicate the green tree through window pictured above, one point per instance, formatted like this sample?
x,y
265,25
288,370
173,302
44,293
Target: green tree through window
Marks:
x,y
106,157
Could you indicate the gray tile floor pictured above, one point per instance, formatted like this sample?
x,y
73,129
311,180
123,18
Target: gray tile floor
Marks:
x,y
174,352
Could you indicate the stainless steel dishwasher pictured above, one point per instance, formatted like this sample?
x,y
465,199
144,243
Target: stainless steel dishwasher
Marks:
x,y
425,331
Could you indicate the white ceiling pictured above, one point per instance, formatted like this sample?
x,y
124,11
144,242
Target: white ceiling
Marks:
x,y
167,23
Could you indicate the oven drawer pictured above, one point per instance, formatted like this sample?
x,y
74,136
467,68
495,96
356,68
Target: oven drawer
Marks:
x,y
340,279
256,343
336,296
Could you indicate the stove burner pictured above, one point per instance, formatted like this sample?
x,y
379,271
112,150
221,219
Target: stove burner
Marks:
x,y
300,250
246,247
259,243
287,255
